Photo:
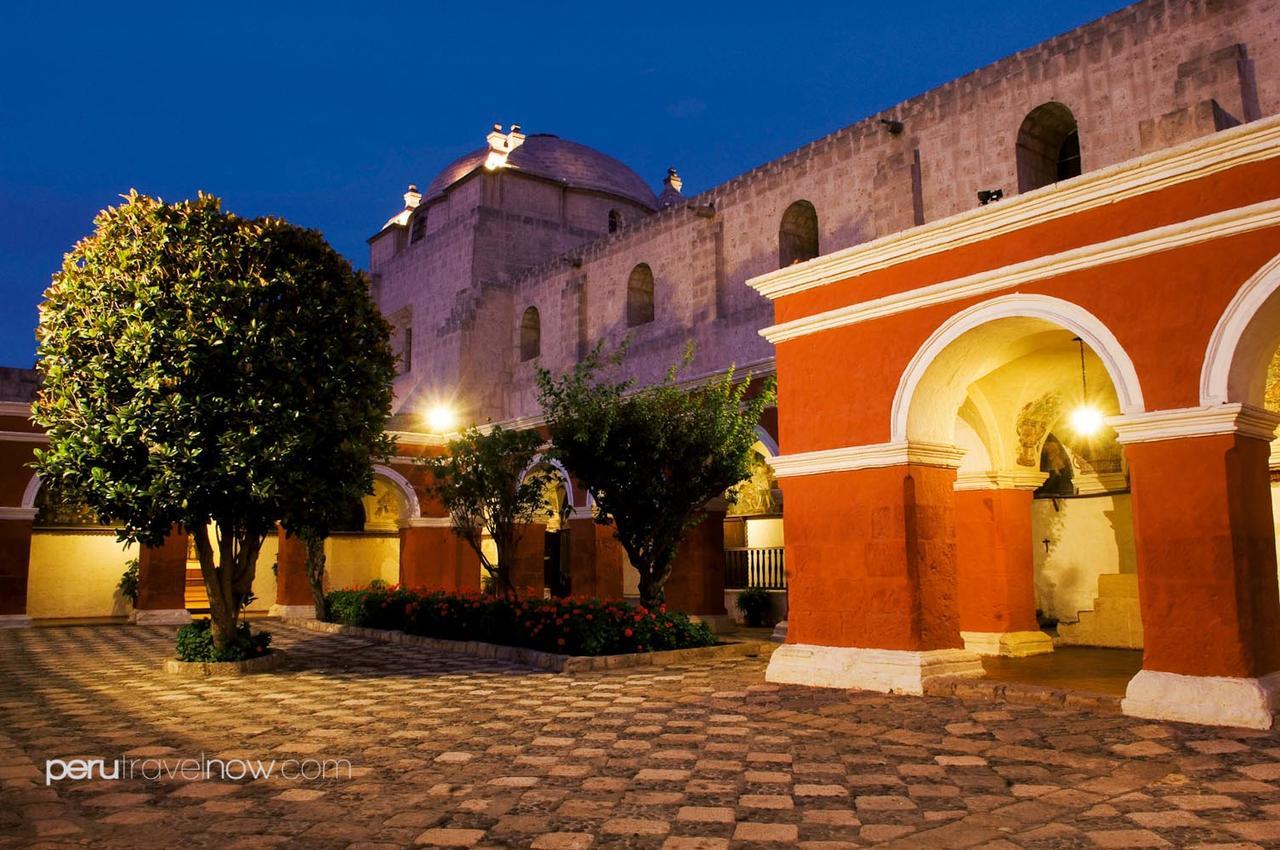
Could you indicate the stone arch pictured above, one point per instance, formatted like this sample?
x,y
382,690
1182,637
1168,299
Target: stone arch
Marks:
x,y
766,439
1048,147
543,460
1243,342
403,486
640,296
30,493
1011,317
530,334
798,234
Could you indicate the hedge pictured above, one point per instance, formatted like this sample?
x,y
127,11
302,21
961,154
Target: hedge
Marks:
x,y
569,626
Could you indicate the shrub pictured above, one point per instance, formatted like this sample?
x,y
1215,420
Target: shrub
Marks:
x,y
570,626
129,582
756,606
195,643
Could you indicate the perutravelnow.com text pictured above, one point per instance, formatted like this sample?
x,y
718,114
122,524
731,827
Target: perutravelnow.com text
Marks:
x,y
194,769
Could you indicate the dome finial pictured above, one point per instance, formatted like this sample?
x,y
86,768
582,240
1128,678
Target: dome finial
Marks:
x,y
501,145
671,186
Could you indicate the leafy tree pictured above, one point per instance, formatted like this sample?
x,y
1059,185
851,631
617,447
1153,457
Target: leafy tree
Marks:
x,y
200,368
485,482
651,457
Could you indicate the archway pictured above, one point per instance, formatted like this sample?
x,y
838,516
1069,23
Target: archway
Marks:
x,y
640,296
797,234
1043,523
1048,147
544,559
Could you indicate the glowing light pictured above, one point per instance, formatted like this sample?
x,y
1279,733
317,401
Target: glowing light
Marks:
x,y
441,419
1086,420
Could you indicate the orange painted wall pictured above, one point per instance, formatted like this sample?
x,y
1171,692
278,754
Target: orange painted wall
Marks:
x,y
1206,555
162,574
15,470
292,586
871,559
595,560
696,584
15,557
996,581
528,574
437,559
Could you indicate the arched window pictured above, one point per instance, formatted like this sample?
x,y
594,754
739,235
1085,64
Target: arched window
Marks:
x,y
798,234
615,221
640,296
1048,147
419,228
530,335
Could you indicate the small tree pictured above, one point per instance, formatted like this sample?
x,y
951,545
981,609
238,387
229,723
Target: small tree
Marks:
x,y
485,482
198,368
651,458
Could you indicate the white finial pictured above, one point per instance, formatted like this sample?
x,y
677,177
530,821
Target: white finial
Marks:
x,y
412,197
501,145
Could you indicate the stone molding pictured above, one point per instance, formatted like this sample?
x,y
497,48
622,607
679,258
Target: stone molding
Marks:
x,y
865,457
427,522
1235,418
1156,240
160,617
1001,479
885,670
18,513
1193,160
1208,700
16,408
23,437
290,612
14,621
1007,644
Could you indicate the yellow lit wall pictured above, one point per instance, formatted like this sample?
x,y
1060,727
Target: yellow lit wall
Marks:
x,y
74,575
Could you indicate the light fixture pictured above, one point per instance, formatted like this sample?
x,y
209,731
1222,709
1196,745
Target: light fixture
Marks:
x,y
440,418
1086,420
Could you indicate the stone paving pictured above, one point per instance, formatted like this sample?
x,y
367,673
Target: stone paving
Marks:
x,y
452,751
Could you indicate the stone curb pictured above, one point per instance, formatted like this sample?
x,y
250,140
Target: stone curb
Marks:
x,y
544,660
199,669
990,690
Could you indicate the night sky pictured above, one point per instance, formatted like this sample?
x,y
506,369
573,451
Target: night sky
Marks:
x,y
323,112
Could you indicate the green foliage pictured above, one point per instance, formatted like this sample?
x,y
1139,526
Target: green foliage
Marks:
x,y
755,605
484,482
195,643
202,367
572,626
129,581
651,457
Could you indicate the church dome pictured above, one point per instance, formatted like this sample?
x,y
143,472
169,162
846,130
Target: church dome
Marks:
x,y
544,155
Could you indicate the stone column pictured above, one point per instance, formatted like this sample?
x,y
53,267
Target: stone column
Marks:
x,y
994,563
15,565
871,569
293,590
1206,552
528,572
596,559
432,557
162,582
696,584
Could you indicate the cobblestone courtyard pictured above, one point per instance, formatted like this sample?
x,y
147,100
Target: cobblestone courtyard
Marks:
x,y
452,751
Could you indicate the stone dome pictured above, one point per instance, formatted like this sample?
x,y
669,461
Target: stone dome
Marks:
x,y
574,165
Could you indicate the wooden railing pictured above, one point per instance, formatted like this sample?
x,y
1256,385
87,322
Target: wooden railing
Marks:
x,y
755,568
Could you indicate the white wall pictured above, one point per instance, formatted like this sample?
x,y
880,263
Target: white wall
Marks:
x,y
1088,537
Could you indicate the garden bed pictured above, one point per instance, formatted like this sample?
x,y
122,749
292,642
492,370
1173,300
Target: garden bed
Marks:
x,y
199,669
546,660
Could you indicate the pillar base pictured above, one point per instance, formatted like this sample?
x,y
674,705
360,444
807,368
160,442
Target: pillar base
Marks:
x,y
1008,644
160,617
1208,700
293,612
885,670
779,632
14,621
718,623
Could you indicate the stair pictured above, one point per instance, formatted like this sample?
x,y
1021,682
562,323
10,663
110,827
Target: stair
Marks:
x,y
197,597
1114,621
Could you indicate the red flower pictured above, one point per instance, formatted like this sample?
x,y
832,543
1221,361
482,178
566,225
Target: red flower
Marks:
x,y
627,632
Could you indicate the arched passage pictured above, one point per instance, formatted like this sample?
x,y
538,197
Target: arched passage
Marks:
x,y
530,334
640,296
1042,518
797,234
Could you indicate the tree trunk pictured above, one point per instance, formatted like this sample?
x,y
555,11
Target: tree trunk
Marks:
x,y
652,587
315,575
502,585
224,614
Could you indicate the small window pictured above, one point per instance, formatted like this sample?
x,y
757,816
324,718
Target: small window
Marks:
x,y
640,296
530,335
615,221
406,353
401,322
419,228
1048,147
798,234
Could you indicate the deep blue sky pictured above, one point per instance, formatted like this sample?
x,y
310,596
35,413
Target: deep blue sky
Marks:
x,y
324,112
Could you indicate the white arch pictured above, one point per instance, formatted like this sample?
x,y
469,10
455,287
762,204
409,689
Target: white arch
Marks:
x,y
769,442
406,489
564,473
1056,311
1231,373
33,489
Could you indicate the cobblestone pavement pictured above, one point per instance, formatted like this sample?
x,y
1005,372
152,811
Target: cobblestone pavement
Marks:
x,y
452,751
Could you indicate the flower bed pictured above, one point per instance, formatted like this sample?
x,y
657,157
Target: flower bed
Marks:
x,y
571,626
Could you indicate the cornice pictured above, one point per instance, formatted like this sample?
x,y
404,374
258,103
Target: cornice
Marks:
x,y
16,408
23,437
1235,418
865,457
1170,237
427,522
18,513
1001,479
1193,160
